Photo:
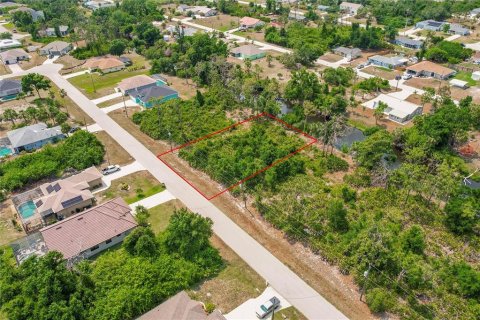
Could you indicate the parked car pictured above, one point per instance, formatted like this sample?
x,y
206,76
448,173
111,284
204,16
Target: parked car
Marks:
x,y
110,169
407,76
266,308
73,129
360,66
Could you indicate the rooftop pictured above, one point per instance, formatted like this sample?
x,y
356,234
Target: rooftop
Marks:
x,y
409,41
154,92
180,307
395,60
104,63
397,107
13,54
430,67
351,4
56,45
8,43
249,21
348,51
30,134
89,228
247,49
135,82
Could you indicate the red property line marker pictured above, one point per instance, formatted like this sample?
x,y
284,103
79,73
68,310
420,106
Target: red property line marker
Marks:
x,y
276,162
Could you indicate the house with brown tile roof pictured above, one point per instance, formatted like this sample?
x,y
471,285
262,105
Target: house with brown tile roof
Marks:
x,y
429,69
105,64
180,307
249,22
90,232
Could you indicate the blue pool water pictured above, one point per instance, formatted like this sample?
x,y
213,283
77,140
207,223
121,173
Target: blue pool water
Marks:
x,y
27,209
4,151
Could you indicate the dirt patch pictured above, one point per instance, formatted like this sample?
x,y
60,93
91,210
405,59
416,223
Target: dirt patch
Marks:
x,y
221,22
326,279
252,35
35,60
417,99
234,285
185,87
9,230
70,64
331,57
4,69
456,93
114,153
382,73
365,115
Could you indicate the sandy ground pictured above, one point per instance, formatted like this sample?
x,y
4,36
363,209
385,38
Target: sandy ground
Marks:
x,y
456,93
221,22
331,57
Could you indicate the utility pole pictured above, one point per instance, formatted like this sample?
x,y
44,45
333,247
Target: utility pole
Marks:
x,y
365,274
124,105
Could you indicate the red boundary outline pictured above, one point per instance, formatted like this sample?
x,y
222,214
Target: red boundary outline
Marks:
x,y
264,114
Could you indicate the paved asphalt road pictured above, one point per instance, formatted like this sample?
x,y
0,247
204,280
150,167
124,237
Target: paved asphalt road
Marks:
x,y
280,277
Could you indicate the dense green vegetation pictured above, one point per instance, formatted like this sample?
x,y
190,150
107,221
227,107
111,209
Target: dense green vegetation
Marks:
x,y
79,151
120,284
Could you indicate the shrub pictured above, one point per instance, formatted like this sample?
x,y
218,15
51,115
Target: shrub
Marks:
x,y
380,300
335,164
209,307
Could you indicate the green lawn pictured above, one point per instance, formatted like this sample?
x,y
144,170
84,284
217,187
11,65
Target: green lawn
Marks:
x,y
145,193
466,76
96,85
160,215
289,313
9,25
384,69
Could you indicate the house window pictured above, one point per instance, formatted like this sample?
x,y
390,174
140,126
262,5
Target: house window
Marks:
x,y
94,248
108,241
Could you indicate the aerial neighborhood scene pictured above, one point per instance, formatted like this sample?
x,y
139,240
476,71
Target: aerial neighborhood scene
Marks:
x,y
233,159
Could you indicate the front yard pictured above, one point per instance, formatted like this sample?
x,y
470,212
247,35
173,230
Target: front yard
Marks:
x,y
132,188
383,73
96,85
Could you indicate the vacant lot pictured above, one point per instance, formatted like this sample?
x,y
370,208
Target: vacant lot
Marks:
x,y
383,73
132,187
221,22
160,215
114,153
234,285
96,85
8,230
70,64
252,35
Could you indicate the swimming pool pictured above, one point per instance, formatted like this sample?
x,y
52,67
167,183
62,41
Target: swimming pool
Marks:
x,y
4,151
27,209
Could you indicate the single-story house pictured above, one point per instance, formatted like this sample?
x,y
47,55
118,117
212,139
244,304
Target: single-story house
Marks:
x,y
57,48
398,110
458,29
99,4
128,85
476,57
9,89
476,75
36,15
349,7
430,69
388,62
63,31
475,13
105,64
323,8
431,25
6,44
181,307
297,16
247,52
198,10
350,53
33,137
459,84
408,42
126,61
48,32
183,30
153,95
13,56
57,200
249,22
90,232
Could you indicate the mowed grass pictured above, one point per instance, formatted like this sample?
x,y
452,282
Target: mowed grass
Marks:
x,y
466,76
95,85
160,215
132,188
289,313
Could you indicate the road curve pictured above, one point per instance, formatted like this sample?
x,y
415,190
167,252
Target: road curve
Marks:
x,y
281,278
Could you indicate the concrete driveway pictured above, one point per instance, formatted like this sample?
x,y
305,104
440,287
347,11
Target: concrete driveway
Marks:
x,y
154,200
125,170
247,309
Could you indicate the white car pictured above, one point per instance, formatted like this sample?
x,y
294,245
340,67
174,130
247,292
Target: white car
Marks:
x,y
407,76
110,169
265,309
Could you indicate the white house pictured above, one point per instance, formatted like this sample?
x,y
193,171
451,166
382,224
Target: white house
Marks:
x,y
350,8
398,110
6,44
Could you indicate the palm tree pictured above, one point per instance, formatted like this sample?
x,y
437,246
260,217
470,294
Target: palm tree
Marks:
x,y
11,115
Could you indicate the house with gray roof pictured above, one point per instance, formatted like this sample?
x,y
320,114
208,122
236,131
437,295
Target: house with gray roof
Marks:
x,y
9,89
458,29
350,53
158,94
33,137
13,56
431,25
57,48
388,62
408,42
